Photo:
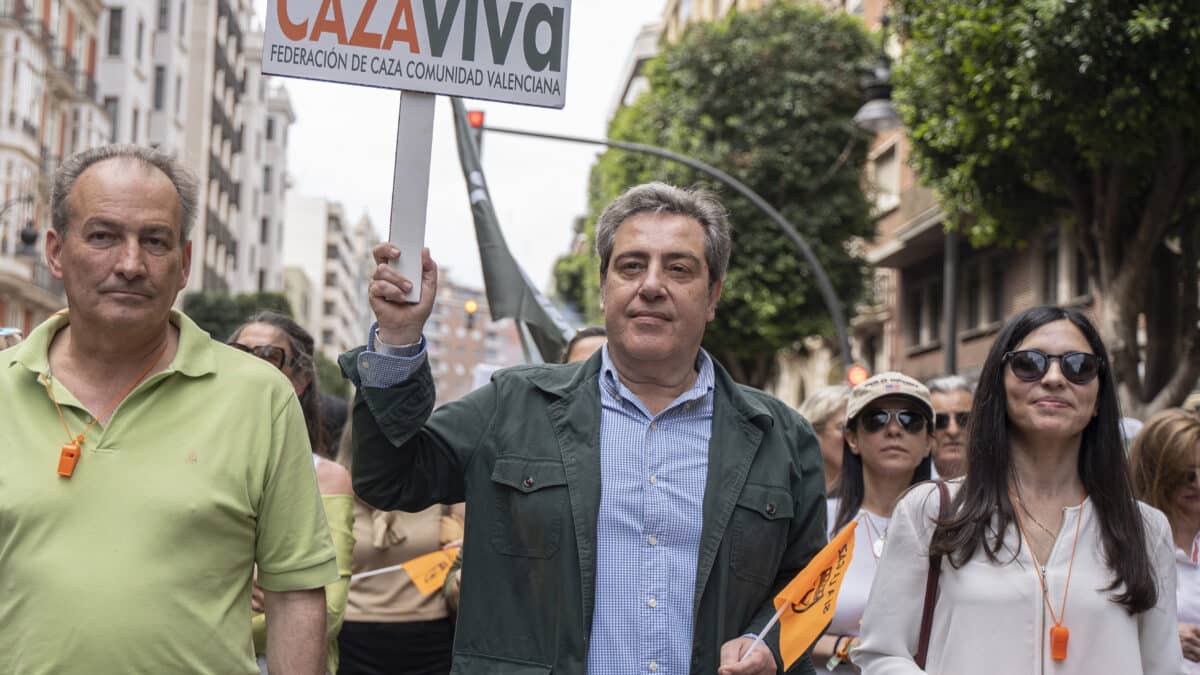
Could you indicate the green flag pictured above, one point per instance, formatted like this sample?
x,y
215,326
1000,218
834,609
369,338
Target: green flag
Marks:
x,y
509,292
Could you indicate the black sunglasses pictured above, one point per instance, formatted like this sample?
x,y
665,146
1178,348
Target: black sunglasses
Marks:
x,y
1030,365
942,420
273,355
877,418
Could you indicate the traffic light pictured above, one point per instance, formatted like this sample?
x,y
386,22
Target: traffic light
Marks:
x,y
857,374
475,121
471,307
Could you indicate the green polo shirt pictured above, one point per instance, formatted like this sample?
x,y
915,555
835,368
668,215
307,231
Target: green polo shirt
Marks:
x,y
141,562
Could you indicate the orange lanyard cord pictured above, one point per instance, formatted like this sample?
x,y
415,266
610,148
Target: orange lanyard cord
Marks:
x,y
112,407
1037,566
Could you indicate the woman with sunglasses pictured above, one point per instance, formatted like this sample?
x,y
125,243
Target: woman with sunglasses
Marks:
x,y
281,342
885,450
1166,464
1047,562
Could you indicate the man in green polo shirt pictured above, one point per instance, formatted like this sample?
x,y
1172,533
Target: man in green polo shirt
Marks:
x,y
147,469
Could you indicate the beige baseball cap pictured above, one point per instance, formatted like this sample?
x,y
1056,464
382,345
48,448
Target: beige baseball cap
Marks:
x,y
888,384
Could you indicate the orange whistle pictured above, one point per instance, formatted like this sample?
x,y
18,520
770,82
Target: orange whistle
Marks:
x,y
1058,642
68,459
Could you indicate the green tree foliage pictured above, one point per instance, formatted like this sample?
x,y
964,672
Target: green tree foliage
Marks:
x,y
767,96
220,313
1024,113
329,377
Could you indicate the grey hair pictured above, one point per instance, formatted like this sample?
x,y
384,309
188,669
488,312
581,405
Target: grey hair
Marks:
x,y
824,403
186,185
948,384
699,205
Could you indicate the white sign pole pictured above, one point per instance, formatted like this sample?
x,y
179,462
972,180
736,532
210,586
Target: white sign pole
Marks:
x,y
410,184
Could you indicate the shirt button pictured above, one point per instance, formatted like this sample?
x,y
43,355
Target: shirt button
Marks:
x,y
653,540
653,426
528,482
653,603
653,479
770,509
654,666
364,364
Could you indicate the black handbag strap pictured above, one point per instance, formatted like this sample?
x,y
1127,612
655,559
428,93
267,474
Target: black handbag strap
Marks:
x,y
931,584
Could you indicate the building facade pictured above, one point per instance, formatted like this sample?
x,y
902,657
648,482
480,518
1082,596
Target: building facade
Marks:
x,y
334,256
49,108
186,76
465,345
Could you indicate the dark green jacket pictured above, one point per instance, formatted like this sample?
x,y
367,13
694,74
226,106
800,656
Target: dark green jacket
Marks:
x,y
524,453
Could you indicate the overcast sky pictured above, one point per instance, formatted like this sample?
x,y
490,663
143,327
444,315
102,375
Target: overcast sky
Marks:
x,y
342,148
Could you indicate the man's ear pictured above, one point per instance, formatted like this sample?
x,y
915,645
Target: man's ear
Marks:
x,y
54,245
187,263
714,294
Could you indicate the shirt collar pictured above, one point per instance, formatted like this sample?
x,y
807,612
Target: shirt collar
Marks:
x,y
1191,557
705,378
194,357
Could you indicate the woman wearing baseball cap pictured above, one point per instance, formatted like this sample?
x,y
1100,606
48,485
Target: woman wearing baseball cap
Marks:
x,y
886,449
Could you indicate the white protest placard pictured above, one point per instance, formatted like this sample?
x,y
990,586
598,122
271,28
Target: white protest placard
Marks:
x,y
512,51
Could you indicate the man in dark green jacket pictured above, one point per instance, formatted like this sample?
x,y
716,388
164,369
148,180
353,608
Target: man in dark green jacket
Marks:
x,y
636,512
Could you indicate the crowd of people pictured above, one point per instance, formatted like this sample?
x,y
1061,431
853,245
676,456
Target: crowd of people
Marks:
x,y
173,503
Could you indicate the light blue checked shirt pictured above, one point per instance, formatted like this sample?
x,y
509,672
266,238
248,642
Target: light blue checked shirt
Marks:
x,y
653,472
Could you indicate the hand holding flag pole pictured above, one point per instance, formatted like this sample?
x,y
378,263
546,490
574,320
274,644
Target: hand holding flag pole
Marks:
x,y
806,605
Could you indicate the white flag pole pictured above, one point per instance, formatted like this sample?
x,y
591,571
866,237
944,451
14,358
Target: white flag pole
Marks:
x,y
758,639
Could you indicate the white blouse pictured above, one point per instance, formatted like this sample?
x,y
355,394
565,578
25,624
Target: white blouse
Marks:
x,y
991,618
856,585
1187,595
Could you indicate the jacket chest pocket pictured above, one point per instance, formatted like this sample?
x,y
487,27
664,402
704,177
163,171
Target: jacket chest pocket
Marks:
x,y
759,532
531,498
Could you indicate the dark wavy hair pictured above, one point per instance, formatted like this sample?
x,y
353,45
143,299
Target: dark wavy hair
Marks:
x,y
302,346
851,488
1103,468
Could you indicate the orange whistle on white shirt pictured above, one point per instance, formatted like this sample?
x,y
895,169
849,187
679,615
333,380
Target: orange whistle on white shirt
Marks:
x,y
1058,642
67,459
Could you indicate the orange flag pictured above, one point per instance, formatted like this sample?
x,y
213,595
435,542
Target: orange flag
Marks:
x,y
806,605
429,571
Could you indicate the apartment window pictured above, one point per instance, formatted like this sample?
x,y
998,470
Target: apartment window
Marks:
x,y
178,94
262,280
141,30
133,130
935,310
182,18
916,313
160,84
329,310
331,252
327,337
116,17
163,15
264,231
110,109
1050,270
885,170
267,180
270,128
996,288
974,299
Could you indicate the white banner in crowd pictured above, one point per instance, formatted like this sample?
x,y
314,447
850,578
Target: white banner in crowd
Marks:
x,y
500,50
